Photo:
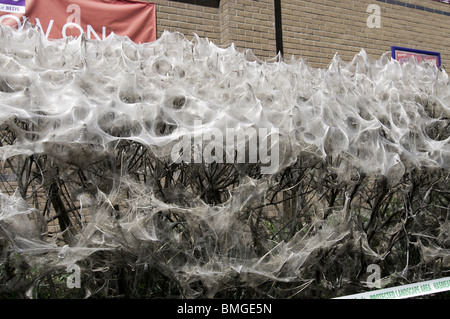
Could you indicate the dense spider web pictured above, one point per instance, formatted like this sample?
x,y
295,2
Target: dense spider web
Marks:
x,y
359,160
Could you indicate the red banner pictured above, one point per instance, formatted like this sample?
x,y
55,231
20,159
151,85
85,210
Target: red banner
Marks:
x,y
96,18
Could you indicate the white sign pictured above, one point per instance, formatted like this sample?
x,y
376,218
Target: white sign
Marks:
x,y
13,6
405,291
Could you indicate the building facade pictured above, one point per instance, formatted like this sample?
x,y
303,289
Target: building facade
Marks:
x,y
312,29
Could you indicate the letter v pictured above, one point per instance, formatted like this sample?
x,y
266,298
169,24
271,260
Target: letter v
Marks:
x,y
49,28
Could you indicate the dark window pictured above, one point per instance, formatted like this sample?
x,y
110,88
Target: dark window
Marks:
x,y
205,3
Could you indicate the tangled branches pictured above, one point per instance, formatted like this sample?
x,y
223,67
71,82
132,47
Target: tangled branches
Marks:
x,y
142,227
89,178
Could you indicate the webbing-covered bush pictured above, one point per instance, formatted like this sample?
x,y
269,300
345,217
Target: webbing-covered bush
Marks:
x,y
181,169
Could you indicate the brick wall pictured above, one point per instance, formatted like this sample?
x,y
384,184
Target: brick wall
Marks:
x,y
312,29
249,24
316,30
188,18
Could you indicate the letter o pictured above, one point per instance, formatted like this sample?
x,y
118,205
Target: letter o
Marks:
x,y
19,25
71,24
